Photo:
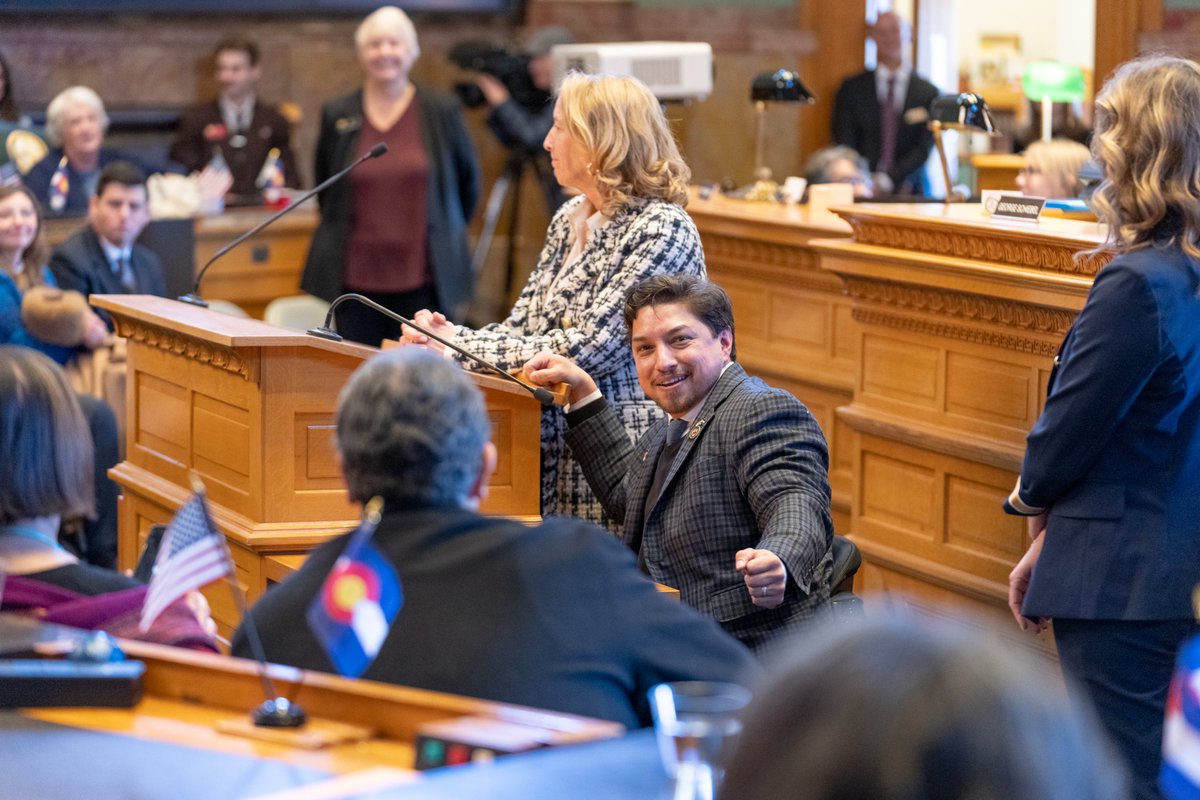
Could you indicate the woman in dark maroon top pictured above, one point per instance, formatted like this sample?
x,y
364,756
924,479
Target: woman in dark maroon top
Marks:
x,y
396,229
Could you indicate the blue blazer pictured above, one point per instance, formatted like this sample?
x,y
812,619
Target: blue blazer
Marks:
x,y
1115,456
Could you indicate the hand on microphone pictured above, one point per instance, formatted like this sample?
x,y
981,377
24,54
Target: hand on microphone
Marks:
x,y
433,321
548,369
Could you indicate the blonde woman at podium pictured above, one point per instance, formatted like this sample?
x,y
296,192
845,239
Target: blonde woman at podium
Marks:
x,y
612,144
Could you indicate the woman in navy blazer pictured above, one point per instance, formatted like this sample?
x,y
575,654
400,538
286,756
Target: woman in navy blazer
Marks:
x,y
1111,477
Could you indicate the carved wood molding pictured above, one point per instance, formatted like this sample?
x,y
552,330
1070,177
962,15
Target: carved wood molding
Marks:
x,y
997,246
1052,322
804,271
225,358
1007,341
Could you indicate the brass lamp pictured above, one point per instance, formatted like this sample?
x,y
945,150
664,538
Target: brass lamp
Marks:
x,y
959,112
780,86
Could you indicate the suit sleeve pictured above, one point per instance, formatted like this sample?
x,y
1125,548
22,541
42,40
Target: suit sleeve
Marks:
x,y
323,165
1114,348
604,452
783,471
68,275
845,131
911,159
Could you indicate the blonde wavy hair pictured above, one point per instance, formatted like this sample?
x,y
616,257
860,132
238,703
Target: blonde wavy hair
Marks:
x,y
1147,142
1060,161
621,124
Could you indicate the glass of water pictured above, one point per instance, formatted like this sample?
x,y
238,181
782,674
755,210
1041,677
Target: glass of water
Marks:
x,y
695,722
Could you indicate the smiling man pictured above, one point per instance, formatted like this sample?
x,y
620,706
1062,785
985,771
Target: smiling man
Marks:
x,y
727,497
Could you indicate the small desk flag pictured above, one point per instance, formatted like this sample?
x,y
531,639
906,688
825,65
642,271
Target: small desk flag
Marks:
x,y
270,177
1180,776
192,554
354,610
60,184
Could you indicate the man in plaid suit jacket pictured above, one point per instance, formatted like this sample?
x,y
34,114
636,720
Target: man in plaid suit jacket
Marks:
x,y
732,508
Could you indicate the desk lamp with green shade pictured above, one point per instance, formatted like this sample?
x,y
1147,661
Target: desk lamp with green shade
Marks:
x,y
957,112
1052,82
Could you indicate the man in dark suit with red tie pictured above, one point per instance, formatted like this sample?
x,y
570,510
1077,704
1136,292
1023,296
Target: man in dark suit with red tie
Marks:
x,y
883,112
236,125
726,498
104,258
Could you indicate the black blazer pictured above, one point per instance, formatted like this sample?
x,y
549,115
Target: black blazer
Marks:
x,y
856,124
554,616
454,186
79,263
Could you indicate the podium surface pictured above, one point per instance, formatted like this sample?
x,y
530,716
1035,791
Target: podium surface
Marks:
x,y
249,408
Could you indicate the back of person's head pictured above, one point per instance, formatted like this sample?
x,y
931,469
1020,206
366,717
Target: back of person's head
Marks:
x,y
38,252
236,43
540,42
122,173
411,428
704,300
45,445
1147,143
1059,162
619,121
61,105
890,709
391,20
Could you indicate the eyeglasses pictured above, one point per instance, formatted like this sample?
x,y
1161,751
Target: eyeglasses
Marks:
x,y
1028,170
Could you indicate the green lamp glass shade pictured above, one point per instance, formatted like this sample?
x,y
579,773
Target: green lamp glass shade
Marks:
x,y
1052,80
780,86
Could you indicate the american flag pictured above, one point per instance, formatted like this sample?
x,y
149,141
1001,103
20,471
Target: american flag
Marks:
x,y
192,554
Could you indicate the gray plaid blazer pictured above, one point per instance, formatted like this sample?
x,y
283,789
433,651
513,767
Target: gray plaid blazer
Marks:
x,y
752,472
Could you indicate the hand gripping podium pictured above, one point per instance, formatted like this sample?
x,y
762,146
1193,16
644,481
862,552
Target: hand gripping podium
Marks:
x,y
249,407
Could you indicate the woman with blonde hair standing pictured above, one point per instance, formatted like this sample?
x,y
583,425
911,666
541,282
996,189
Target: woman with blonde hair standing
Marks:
x,y
611,143
1111,477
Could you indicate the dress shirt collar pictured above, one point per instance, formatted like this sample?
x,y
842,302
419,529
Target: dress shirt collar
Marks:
x,y
902,74
114,254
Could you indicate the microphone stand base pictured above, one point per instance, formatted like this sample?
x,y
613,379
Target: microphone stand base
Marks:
x,y
191,298
325,333
279,713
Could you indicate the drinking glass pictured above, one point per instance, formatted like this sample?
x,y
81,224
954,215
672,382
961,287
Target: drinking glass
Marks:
x,y
695,722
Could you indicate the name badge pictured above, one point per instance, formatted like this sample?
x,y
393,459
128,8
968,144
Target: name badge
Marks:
x,y
1015,206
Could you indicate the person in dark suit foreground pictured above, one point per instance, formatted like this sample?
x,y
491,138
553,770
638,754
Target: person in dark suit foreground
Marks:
x,y
1111,476
554,616
883,113
727,496
103,257
235,126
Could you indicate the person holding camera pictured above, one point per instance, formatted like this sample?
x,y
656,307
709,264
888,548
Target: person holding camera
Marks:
x,y
610,141
394,230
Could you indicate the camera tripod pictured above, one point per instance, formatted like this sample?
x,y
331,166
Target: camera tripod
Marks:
x,y
510,180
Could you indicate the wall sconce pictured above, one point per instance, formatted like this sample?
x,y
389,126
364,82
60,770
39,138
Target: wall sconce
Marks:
x,y
957,112
1052,82
781,86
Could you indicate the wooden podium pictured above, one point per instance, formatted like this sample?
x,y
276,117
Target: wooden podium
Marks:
x,y
249,408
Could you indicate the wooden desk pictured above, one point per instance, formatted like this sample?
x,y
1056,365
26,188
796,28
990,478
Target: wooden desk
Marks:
x,y
250,407
168,745
996,170
794,324
958,316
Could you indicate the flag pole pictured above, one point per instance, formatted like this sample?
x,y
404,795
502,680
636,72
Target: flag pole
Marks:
x,y
276,711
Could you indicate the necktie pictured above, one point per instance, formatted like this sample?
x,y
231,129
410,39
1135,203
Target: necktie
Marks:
x,y
124,270
888,124
676,428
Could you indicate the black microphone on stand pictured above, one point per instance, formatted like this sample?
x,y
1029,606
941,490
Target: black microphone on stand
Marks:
x,y
193,297
543,396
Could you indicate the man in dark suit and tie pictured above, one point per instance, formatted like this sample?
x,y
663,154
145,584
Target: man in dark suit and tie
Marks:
x,y
236,126
103,257
883,113
727,497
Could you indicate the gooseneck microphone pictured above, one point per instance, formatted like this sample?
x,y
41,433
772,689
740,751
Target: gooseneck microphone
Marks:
x,y
193,297
543,396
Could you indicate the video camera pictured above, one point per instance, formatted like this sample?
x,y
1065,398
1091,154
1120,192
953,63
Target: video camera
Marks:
x,y
509,67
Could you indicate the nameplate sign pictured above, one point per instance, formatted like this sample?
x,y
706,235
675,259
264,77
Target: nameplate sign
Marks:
x,y
1015,206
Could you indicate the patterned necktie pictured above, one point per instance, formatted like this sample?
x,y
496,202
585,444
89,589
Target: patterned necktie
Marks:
x,y
888,125
124,270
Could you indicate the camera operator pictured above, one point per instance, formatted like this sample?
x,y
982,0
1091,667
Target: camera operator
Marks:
x,y
519,125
